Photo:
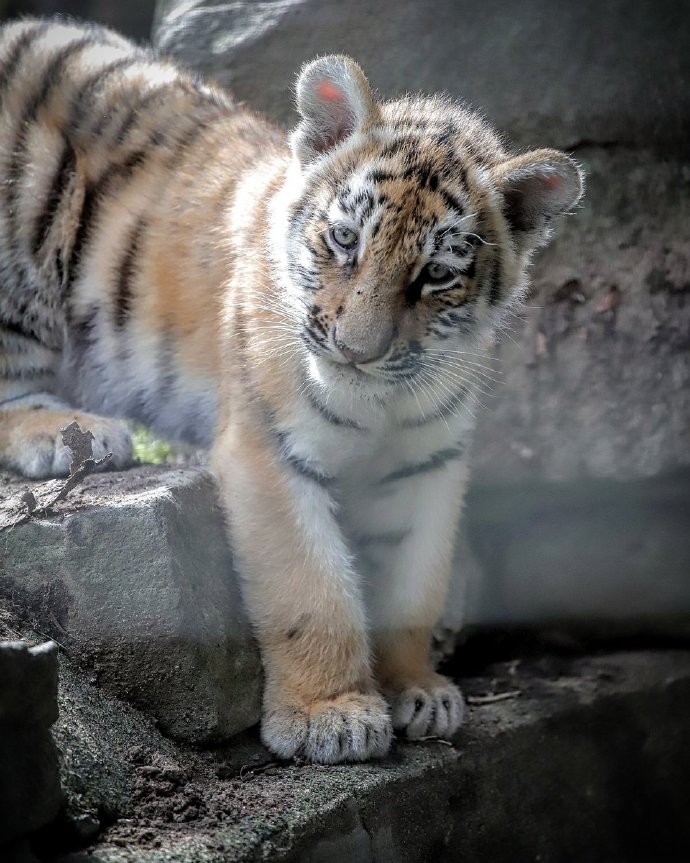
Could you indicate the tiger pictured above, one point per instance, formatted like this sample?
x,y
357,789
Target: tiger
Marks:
x,y
315,307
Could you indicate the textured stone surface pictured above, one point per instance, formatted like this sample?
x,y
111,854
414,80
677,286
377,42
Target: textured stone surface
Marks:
x,y
133,19
584,71
590,761
595,555
135,578
29,786
597,374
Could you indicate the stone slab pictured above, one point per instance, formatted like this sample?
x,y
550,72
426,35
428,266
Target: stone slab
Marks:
x,y
134,577
30,794
585,758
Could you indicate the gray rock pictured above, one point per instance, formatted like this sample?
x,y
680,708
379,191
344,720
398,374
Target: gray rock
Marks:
x,y
596,375
610,558
591,759
98,738
135,578
30,794
546,74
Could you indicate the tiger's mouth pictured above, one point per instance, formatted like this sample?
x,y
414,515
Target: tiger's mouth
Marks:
x,y
400,365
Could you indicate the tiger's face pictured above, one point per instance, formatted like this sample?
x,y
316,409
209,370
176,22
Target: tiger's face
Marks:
x,y
410,230
395,261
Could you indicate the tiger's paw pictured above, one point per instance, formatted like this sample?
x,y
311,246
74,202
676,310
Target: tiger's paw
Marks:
x,y
434,708
32,443
352,727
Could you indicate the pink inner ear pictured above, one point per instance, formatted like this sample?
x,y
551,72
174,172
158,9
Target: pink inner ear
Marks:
x,y
552,181
328,91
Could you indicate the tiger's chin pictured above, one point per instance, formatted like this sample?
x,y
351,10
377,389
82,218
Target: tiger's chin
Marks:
x,y
330,374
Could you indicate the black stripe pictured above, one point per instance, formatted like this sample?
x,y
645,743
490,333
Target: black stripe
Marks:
x,y
494,290
24,374
83,100
329,416
83,224
378,175
17,51
435,461
87,217
123,294
44,223
413,291
16,398
471,270
19,330
447,135
133,114
50,78
52,73
121,170
83,331
451,201
390,539
299,465
303,469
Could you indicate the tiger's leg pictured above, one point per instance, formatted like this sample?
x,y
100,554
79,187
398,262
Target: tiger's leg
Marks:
x,y
31,416
320,700
410,574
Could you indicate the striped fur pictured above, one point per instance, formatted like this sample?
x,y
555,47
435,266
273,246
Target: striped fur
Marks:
x,y
318,308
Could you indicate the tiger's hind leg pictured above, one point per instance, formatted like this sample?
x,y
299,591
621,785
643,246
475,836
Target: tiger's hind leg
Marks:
x,y
31,416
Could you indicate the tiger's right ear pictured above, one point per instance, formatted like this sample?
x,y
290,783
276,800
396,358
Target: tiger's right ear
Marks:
x,y
334,100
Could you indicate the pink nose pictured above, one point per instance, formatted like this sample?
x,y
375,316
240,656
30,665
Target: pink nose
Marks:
x,y
377,348
353,356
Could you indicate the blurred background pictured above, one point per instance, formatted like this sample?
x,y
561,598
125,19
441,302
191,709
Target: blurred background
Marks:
x,y
579,510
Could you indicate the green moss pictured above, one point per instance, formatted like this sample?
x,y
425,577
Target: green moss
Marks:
x,y
149,449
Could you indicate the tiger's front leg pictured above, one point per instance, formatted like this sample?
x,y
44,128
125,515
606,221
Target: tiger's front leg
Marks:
x,y
320,701
408,540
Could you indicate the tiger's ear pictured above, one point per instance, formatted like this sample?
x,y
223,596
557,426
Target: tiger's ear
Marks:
x,y
334,99
536,187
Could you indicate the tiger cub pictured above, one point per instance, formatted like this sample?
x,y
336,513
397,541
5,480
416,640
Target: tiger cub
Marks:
x,y
318,308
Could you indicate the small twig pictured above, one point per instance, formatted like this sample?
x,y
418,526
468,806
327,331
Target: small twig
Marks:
x,y
88,466
80,445
492,697
433,739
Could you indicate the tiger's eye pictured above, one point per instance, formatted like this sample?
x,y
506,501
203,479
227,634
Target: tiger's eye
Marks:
x,y
437,272
344,237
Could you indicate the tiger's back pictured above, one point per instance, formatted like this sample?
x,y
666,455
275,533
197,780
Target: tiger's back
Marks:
x,y
106,301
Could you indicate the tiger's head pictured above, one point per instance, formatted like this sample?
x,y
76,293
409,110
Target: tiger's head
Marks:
x,y
409,227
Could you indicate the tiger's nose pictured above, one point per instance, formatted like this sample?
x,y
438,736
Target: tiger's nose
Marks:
x,y
377,345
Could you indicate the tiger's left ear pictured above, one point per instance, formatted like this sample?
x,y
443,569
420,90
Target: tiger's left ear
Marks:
x,y
334,100
536,187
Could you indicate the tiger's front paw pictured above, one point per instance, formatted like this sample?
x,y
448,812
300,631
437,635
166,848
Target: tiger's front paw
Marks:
x,y
434,708
352,727
34,444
